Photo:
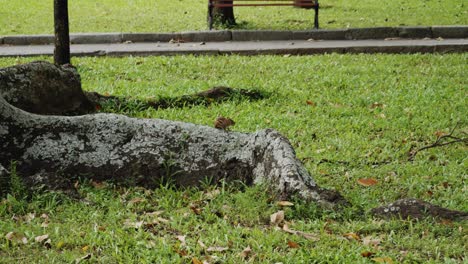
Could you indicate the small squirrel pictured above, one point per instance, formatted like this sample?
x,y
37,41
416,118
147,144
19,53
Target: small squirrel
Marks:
x,y
223,123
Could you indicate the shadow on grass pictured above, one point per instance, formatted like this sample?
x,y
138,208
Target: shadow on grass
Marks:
x,y
215,95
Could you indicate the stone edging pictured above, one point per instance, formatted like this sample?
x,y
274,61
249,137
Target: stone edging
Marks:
x,y
417,32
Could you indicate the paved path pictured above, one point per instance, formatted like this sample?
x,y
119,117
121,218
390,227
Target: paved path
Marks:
x,y
293,47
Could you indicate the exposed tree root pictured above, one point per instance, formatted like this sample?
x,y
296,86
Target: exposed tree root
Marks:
x,y
417,209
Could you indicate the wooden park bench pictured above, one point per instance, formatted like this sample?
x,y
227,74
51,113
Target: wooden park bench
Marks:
x,y
231,3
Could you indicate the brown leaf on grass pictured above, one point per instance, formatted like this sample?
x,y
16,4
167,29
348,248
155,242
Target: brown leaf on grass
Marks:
x,y
446,222
40,239
182,252
377,105
29,217
310,103
217,249
196,261
130,224
367,254
247,252
277,218
370,241
136,201
154,214
439,134
79,260
367,182
292,244
352,236
44,216
309,236
383,260
197,210
212,194
16,237
182,240
85,248
98,185
202,245
284,203
381,116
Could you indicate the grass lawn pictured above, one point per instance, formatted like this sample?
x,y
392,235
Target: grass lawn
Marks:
x,y
364,115
36,17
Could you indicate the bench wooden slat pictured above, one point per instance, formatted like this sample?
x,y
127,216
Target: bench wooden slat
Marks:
x,y
228,5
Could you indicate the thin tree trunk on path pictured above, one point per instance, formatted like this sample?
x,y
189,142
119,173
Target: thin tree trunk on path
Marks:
x,y
62,35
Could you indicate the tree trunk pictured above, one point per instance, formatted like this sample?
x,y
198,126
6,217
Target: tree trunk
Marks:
x,y
62,36
224,15
54,151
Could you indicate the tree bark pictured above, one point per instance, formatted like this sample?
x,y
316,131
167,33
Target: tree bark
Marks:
x,y
62,36
224,15
54,151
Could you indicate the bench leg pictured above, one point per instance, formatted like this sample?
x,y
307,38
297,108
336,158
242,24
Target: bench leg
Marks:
x,y
316,21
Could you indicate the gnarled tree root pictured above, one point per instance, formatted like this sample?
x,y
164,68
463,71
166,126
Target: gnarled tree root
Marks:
x,y
54,151
417,209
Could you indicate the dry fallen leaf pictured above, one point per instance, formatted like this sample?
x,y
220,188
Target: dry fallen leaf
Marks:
x,y
284,203
136,200
85,248
309,102
212,194
277,218
29,217
98,185
439,134
292,244
136,225
352,236
78,260
383,260
246,252
154,214
367,254
195,209
182,240
196,261
182,252
370,241
40,239
202,245
308,236
216,249
367,182
377,105
15,237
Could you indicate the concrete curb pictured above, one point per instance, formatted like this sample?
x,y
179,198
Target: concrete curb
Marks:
x,y
416,32
297,47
